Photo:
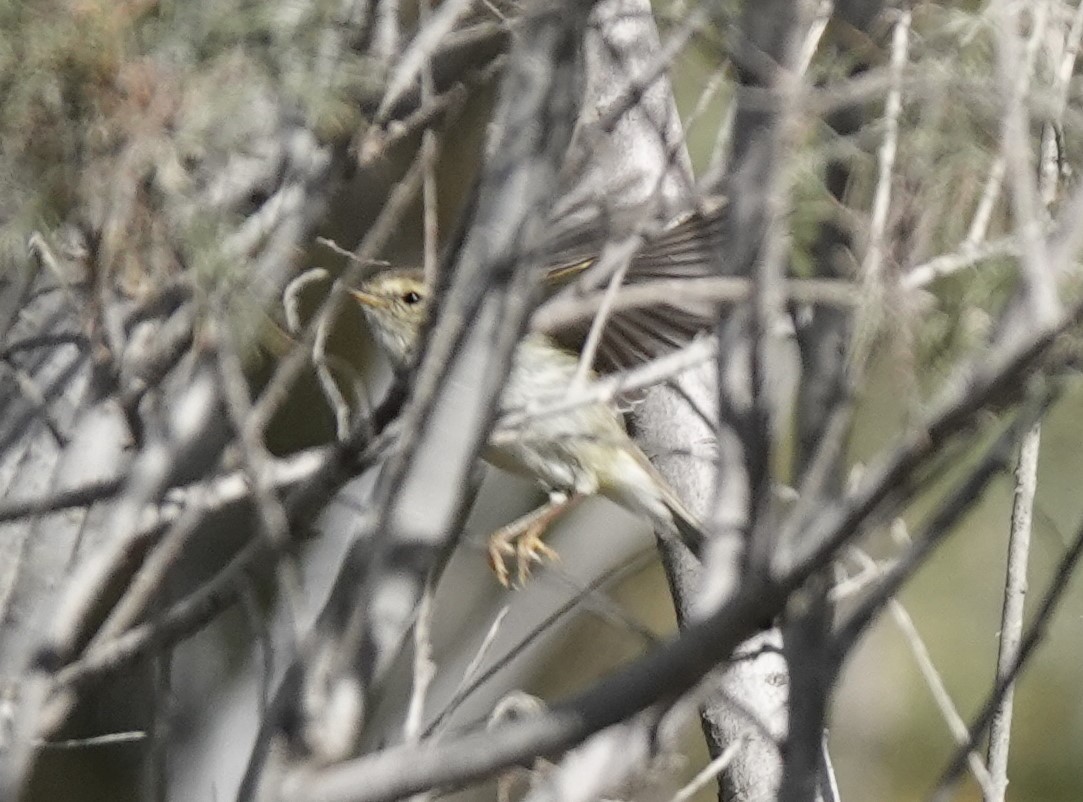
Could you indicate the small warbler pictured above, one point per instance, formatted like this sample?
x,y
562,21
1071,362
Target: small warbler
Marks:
x,y
573,454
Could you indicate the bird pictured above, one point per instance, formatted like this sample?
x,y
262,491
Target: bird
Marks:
x,y
574,454
687,247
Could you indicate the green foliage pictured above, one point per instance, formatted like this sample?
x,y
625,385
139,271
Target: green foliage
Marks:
x,y
116,114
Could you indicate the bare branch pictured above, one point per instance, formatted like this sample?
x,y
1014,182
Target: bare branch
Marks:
x,y
1031,639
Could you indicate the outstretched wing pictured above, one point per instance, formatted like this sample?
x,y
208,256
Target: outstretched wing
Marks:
x,y
687,249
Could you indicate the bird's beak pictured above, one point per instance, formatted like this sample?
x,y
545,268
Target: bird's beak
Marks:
x,y
368,299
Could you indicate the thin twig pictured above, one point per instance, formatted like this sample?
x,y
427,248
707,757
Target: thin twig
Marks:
x,y
820,18
469,688
874,255
723,290
946,517
75,338
872,267
621,253
291,296
968,255
655,69
182,620
1014,69
418,54
1031,640
443,107
708,773
1011,621
82,496
131,736
331,391
430,219
462,690
256,460
424,668
385,44
605,609
941,697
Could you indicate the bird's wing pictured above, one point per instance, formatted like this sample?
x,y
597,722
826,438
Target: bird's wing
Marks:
x,y
688,249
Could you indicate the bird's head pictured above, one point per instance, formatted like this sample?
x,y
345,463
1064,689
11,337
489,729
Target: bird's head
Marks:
x,y
395,303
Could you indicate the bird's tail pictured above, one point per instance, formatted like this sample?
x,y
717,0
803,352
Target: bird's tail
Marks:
x,y
636,485
686,524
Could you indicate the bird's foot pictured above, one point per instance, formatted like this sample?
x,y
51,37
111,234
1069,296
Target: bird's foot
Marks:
x,y
524,547
521,541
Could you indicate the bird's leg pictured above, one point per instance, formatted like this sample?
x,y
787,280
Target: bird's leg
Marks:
x,y
522,539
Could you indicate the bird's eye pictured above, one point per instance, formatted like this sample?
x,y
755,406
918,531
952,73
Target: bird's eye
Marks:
x,y
410,297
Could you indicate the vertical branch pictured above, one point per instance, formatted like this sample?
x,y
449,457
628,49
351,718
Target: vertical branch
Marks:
x,y
824,400
1041,295
900,43
1011,620
1026,472
758,369
424,668
1029,642
428,156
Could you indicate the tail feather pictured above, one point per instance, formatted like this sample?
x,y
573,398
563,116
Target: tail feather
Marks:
x,y
688,526
637,486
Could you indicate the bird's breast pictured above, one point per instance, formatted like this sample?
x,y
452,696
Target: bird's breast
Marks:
x,y
562,450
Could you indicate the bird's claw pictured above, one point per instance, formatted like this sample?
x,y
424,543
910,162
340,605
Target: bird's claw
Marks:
x,y
526,546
